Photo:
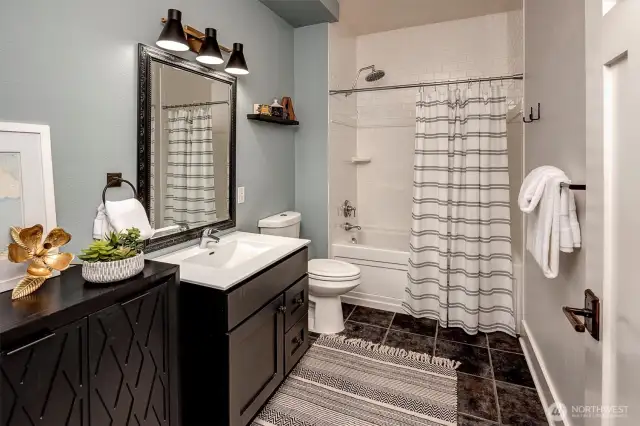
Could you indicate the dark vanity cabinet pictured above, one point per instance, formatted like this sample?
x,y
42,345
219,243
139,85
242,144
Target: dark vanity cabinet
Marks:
x,y
72,354
238,345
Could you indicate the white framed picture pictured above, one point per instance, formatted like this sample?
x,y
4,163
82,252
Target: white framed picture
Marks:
x,y
26,188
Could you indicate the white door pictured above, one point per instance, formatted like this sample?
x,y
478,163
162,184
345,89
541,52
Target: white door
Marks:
x,y
613,208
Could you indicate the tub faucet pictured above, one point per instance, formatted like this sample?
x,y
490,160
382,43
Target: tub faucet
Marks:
x,y
348,227
207,237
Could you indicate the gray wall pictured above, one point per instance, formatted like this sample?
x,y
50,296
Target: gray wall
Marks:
x,y
72,64
311,103
555,70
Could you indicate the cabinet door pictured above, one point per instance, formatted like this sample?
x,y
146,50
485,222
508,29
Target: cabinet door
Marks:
x,y
128,362
256,366
44,382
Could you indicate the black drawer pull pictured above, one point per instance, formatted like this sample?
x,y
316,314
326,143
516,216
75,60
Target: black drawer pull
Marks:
x,y
35,342
299,301
282,309
136,298
298,340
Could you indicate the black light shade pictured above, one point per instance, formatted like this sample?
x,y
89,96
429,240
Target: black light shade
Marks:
x,y
210,51
172,36
237,63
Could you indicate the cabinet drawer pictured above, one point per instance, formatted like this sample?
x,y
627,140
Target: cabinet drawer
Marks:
x,y
297,302
246,299
296,343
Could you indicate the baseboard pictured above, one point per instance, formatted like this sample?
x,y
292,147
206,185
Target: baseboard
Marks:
x,y
544,385
373,301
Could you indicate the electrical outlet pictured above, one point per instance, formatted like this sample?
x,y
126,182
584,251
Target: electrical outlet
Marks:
x,y
240,194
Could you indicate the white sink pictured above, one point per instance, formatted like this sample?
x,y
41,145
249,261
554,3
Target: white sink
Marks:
x,y
229,255
236,257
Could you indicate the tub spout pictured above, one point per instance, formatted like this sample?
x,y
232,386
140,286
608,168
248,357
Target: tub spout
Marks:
x,y
348,227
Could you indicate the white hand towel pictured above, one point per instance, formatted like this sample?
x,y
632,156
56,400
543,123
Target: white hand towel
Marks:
x,y
573,221
101,225
540,198
127,214
569,228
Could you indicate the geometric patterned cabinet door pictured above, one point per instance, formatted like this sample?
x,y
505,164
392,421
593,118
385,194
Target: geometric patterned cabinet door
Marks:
x,y
128,362
44,382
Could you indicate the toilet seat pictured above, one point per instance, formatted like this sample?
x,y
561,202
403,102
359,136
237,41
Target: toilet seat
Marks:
x,y
331,270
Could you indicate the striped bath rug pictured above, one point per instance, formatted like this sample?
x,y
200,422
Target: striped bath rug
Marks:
x,y
351,382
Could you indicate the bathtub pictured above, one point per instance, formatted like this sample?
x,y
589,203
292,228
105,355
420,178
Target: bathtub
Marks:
x,y
383,257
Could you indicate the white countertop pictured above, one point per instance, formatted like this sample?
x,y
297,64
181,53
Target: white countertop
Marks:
x,y
223,277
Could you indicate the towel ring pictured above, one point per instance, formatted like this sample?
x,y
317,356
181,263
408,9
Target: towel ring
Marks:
x,y
115,180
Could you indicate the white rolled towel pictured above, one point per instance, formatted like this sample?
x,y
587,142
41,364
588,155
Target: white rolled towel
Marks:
x,y
126,214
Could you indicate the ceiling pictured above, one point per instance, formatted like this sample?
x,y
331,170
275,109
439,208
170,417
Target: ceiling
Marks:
x,y
373,16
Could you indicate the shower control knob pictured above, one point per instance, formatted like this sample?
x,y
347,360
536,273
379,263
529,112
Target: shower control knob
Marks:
x,y
347,209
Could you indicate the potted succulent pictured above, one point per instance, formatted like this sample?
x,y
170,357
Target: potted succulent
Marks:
x,y
119,256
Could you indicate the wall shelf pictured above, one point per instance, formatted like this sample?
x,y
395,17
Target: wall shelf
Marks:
x,y
270,119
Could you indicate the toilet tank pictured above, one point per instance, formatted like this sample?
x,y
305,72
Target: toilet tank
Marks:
x,y
285,224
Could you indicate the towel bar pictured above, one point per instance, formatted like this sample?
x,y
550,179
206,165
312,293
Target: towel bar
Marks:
x,y
573,186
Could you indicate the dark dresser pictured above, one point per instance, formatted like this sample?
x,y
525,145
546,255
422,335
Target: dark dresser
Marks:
x,y
77,354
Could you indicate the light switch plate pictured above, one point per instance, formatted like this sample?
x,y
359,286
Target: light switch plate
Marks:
x,y
240,194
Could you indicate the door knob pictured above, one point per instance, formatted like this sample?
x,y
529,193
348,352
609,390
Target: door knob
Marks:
x,y
590,312
282,309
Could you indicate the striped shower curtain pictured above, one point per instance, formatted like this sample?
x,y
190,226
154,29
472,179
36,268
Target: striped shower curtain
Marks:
x,y
460,267
190,197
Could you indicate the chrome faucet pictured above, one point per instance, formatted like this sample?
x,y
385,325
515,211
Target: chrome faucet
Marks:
x,y
208,237
348,227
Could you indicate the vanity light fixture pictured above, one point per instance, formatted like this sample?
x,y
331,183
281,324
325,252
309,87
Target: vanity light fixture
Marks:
x,y
210,51
172,36
237,64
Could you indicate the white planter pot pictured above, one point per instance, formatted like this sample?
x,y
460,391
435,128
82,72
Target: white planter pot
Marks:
x,y
109,272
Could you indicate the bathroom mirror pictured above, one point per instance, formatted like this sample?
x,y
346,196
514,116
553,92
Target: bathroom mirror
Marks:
x,y
186,146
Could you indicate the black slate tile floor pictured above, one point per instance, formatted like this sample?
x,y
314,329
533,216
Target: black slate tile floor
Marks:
x,y
371,316
494,383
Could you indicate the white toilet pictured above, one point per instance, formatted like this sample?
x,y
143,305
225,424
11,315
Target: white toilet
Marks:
x,y
328,278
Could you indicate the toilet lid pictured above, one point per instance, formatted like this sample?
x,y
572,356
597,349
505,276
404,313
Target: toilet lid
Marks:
x,y
331,268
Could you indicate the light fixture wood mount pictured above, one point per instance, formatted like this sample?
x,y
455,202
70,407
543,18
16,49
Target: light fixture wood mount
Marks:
x,y
195,38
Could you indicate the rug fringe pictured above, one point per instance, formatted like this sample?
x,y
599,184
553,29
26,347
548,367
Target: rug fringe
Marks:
x,y
377,347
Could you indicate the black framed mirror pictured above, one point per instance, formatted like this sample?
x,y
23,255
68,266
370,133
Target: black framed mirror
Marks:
x,y
186,147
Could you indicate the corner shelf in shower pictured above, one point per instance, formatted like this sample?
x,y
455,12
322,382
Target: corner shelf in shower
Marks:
x,y
360,160
270,119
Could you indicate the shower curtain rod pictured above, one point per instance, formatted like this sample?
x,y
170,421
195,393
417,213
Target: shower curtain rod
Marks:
x,y
195,104
429,84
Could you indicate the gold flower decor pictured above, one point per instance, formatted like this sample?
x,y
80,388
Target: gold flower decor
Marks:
x,y
29,246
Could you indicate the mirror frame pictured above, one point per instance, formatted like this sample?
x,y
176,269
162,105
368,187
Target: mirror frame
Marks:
x,y
145,55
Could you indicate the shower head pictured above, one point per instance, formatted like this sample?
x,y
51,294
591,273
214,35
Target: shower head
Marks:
x,y
374,75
